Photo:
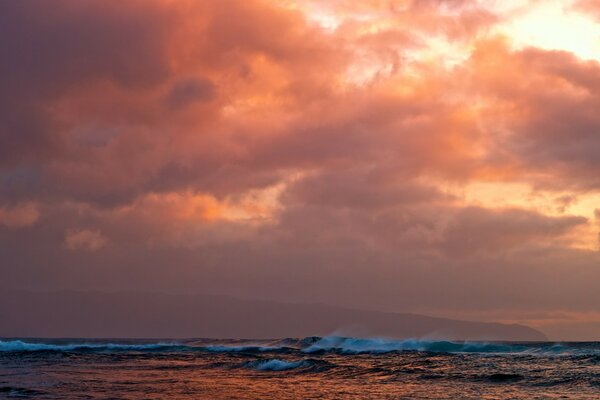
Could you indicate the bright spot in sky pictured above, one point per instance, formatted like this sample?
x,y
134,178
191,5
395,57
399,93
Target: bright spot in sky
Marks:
x,y
552,25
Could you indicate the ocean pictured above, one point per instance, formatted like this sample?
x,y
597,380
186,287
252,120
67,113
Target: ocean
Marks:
x,y
310,368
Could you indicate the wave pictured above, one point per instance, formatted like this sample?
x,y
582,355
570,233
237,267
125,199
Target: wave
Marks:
x,y
22,346
246,349
19,345
350,345
346,345
327,344
308,365
277,365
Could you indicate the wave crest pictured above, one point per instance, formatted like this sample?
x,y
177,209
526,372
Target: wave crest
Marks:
x,y
19,345
327,344
347,345
277,365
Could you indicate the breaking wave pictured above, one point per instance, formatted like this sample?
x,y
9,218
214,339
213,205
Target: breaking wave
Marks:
x,y
375,345
328,344
19,345
348,345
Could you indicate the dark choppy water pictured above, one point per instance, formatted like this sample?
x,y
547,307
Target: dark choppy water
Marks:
x,y
324,368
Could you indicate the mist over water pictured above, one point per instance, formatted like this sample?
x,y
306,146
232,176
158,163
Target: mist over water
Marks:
x,y
324,367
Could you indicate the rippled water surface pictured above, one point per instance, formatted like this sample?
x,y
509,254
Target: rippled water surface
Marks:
x,y
325,368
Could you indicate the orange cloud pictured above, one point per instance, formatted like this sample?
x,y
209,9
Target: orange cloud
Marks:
x,y
589,7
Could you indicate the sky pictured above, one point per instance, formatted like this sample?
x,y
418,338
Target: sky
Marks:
x,y
431,156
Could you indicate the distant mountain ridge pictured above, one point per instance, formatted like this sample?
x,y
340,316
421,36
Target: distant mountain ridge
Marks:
x,y
157,315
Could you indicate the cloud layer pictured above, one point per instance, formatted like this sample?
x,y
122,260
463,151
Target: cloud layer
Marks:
x,y
399,155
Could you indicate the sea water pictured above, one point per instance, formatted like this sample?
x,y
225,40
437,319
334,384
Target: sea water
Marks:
x,y
324,368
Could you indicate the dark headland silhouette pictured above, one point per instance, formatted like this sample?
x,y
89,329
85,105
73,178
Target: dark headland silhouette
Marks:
x,y
154,315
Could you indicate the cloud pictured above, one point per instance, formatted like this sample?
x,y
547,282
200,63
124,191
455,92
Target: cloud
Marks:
x,y
226,104
588,7
545,120
188,91
51,50
475,229
286,98
350,152
84,239
362,188
20,215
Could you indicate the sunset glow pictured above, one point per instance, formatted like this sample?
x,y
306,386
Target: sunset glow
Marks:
x,y
430,156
